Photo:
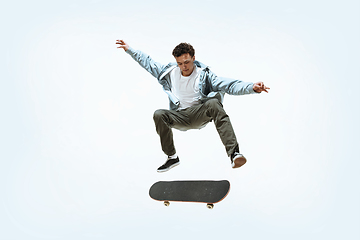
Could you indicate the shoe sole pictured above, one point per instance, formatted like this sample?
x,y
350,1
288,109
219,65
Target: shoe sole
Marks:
x,y
167,169
238,162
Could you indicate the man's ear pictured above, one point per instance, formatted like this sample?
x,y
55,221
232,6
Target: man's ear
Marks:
x,y
193,58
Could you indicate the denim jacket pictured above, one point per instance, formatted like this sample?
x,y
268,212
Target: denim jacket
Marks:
x,y
210,85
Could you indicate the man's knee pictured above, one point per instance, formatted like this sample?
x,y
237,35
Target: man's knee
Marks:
x,y
158,114
213,103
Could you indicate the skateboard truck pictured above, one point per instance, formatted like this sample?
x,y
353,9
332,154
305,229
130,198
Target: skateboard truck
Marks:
x,y
209,205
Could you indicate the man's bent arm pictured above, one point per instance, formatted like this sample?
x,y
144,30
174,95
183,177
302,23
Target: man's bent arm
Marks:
x,y
146,62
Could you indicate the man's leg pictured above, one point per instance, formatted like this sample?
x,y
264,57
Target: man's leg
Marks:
x,y
164,121
213,110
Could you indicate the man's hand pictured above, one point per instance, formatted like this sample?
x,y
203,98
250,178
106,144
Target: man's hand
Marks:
x,y
122,44
259,87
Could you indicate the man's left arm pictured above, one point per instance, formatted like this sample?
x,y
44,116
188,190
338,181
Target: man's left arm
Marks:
x,y
236,87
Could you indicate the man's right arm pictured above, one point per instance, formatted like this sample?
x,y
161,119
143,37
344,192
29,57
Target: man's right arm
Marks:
x,y
143,59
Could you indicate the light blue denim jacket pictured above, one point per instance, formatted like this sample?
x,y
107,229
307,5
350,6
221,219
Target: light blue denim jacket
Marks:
x,y
210,85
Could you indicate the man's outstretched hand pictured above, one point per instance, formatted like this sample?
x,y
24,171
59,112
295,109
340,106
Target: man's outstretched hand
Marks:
x,y
259,87
122,44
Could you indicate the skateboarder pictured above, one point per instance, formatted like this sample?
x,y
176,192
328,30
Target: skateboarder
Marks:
x,y
195,99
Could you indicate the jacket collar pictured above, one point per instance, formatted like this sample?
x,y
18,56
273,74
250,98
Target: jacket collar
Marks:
x,y
171,66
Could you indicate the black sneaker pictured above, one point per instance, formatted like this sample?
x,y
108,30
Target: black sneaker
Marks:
x,y
237,160
170,163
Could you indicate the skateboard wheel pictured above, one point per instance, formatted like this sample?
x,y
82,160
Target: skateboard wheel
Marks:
x,y
166,203
210,206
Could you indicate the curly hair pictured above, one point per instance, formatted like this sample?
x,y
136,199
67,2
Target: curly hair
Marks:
x,y
183,48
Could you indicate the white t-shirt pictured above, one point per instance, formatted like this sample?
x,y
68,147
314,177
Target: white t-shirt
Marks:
x,y
186,89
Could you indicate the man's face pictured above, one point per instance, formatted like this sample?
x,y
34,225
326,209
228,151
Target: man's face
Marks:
x,y
186,64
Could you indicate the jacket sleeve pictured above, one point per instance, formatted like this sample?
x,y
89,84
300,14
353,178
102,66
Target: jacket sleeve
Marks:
x,y
230,86
146,62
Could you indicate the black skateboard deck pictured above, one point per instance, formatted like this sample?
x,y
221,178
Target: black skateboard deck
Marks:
x,y
208,192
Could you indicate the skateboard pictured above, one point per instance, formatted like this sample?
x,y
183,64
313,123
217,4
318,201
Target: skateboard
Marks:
x,y
208,192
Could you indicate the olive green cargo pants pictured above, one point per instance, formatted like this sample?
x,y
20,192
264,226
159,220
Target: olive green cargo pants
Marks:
x,y
195,117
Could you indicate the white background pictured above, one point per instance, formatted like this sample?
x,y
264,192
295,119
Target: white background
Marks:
x,y
79,150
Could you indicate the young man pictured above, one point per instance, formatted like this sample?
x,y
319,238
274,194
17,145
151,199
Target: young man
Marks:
x,y
195,97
